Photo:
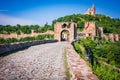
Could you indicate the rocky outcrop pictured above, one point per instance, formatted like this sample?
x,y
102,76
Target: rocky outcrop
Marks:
x,y
18,46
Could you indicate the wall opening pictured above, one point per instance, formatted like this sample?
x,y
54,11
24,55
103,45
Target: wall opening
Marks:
x,y
65,35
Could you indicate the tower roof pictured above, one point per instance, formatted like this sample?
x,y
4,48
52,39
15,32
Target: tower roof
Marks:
x,y
93,8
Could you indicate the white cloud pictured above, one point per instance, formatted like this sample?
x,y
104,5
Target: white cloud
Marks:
x,y
9,20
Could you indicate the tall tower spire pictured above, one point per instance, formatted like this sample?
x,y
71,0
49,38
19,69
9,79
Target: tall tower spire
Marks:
x,y
93,10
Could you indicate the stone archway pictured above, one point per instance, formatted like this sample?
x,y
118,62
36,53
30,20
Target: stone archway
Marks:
x,y
65,35
65,31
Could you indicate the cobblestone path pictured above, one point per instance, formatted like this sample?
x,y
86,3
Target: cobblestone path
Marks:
x,y
41,62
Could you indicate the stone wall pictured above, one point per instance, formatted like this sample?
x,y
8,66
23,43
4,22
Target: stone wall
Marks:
x,y
18,46
67,26
22,35
113,37
90,29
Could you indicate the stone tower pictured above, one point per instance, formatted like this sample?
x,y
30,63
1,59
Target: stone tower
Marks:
x,y
65,31
90,29
93,10
88,11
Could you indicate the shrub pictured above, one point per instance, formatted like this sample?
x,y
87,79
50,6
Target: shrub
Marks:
x,y
77,47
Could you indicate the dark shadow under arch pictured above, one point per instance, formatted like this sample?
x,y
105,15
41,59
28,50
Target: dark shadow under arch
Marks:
x,y
65,35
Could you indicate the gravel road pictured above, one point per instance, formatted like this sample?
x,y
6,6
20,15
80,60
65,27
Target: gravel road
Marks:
x,y
41,62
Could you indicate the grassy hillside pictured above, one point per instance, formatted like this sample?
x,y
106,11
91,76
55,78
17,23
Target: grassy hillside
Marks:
x,y
110,25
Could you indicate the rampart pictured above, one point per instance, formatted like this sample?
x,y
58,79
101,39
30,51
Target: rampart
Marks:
x,y
18,46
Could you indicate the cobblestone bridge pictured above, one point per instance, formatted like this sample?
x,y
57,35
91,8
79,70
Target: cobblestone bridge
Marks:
x,y
44,62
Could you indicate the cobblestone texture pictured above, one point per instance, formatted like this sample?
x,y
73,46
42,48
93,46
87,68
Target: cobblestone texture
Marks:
x,y
41,62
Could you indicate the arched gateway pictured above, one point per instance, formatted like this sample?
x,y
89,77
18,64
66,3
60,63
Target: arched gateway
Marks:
x,y
65,31
65,35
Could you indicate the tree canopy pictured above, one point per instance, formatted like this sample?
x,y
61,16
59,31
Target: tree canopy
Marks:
x,y
26,29
110,25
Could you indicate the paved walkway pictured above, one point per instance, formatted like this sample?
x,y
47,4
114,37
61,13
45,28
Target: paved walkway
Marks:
x,y
44,62
41,62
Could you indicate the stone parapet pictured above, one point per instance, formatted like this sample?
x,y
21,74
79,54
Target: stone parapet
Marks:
x,y
78,68
23,45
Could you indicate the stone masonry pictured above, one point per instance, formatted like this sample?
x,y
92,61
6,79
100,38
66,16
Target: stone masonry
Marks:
x,y
22,35
90,29
68,26
40,62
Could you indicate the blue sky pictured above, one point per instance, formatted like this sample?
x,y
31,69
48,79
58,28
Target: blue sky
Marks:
x,y
41,11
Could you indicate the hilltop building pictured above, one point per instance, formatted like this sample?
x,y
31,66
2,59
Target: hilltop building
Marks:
x,y
91,11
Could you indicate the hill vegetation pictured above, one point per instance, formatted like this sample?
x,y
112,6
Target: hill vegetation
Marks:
x,y
26,29
103,56
110,25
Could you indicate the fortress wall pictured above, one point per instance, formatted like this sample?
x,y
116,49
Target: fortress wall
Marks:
x,y
23,45
22,35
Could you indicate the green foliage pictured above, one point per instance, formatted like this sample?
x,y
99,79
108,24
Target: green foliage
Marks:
x,y
106,73
27,39
105,51
77,47
39,37
26,29
45,36
80,50
7,41
110,25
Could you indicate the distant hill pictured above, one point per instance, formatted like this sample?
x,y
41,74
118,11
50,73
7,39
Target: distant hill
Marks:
x,y
110,25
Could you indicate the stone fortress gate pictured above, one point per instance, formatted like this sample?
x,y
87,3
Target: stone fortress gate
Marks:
x,y
65,31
